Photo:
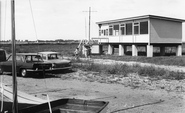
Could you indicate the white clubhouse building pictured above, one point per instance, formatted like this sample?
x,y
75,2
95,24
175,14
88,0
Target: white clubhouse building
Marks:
x,y
149,31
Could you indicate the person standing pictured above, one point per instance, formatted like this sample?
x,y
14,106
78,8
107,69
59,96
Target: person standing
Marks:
x,y
76,53
86,51
89,52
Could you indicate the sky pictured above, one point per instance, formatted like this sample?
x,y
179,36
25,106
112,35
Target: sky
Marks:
x,y
69,19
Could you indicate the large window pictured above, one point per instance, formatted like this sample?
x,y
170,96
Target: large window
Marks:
x,y
116,30
103,32
144,27
106,32
122,27
136,28
110,30
99,32
129,29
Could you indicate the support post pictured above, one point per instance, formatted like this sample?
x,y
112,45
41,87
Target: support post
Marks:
x,y
110,49
134,50
121,50
149,51
179,50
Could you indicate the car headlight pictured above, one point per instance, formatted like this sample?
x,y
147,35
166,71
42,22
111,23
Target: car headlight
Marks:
x,y
53,65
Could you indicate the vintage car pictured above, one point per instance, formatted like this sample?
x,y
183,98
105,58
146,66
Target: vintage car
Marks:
x,y
25,63
58,63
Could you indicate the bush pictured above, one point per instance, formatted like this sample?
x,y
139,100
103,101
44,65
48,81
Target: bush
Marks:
x,y
124,70
151,71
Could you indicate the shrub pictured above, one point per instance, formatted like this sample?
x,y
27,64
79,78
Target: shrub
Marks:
x,y
124,70
151,71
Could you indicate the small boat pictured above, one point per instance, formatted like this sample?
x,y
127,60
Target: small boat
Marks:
x,y
21,96
30,104
68,105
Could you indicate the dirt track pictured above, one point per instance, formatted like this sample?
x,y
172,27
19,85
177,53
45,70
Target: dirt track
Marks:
x,y
122,99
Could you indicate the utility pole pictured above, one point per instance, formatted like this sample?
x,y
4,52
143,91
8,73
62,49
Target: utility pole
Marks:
x,y
89,21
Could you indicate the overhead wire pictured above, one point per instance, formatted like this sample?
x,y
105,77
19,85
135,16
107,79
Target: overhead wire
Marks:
x,y
5,20
2,76
36,34
38,49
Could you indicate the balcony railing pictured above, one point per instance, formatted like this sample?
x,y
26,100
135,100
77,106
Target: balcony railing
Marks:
x,y
101,40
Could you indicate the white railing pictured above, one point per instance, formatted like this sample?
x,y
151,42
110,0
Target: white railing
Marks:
x,y
101,40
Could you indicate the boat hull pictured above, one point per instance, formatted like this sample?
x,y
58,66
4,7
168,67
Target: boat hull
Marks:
x,y
7,106
69,106
21,96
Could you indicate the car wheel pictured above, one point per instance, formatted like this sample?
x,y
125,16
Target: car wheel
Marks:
x,y
23,72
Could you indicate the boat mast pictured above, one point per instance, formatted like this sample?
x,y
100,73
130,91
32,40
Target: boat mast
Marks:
x,y
14,74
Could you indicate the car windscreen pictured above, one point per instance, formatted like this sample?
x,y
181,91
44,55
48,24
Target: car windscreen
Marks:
x,y
53,56
33,58
18,58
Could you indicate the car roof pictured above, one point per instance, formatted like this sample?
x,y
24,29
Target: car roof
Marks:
x,y
26,54
48,52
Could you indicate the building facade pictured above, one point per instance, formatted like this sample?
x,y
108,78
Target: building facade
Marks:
x,y
149,31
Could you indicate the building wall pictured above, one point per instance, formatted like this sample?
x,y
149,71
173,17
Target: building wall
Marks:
x,y
114,39
134,38
162,31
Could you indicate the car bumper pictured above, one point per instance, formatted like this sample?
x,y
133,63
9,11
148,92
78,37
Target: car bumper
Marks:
x,y
63,68
49,70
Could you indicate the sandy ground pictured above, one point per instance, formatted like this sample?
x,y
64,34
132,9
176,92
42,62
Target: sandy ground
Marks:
x,y
122,99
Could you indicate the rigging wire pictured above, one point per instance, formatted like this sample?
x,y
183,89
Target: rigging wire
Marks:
x,y
38,49
5,20
2,76
33,22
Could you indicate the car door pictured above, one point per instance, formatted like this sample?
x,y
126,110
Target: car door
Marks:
x,y
19,62
7,65
26,62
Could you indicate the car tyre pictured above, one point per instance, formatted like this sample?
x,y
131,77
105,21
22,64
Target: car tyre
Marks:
x,y
23,72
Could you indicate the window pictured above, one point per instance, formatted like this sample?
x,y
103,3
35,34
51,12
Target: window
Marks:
x,y
122,27
116,30
129,29
36,58
43,57
110,30
18,58
103,32
106,32
53,56
144,27
99,32
136,28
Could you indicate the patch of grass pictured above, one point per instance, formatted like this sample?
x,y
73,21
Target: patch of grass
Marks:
x,y
151,71
65,49
174,75
123,70
162,60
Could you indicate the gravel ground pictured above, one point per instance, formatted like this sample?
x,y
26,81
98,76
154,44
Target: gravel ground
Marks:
x,y
126,95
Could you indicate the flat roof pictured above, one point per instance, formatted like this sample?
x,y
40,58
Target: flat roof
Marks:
x,y
25,54
48,52
141,17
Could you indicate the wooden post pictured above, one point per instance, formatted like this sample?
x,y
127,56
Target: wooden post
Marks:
x,y
14,73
